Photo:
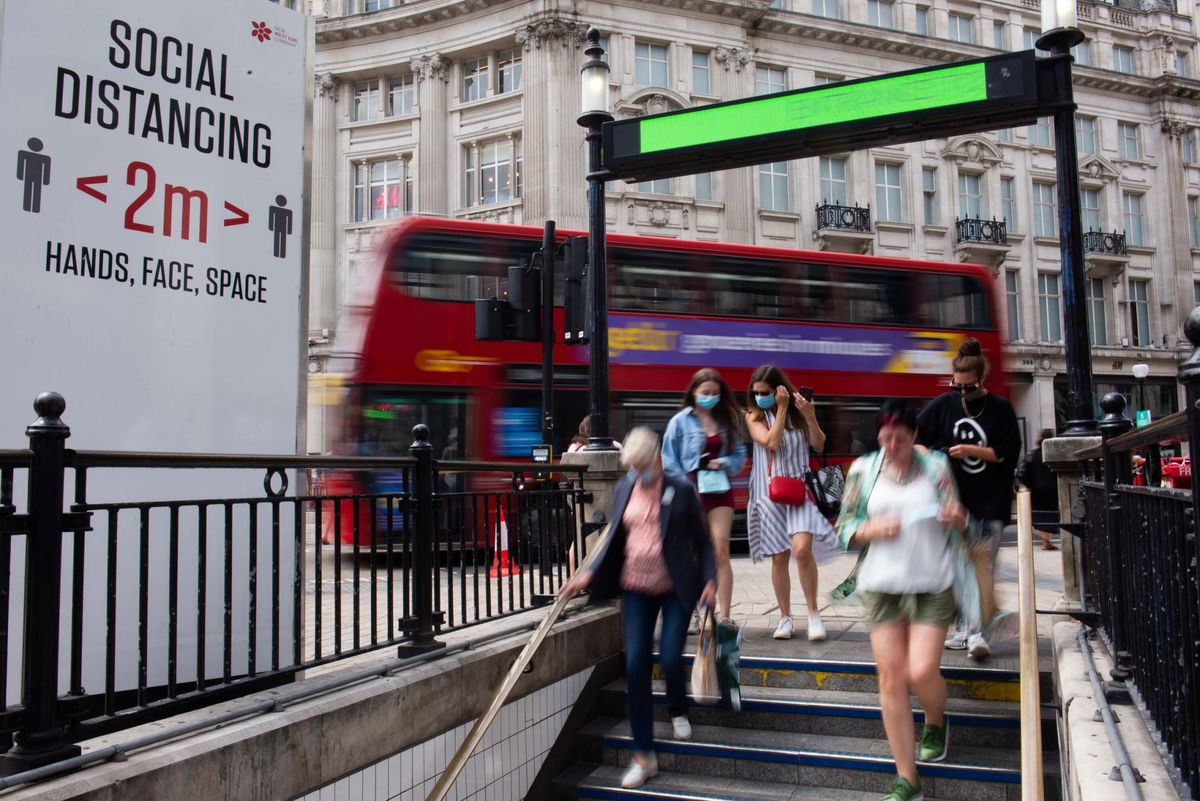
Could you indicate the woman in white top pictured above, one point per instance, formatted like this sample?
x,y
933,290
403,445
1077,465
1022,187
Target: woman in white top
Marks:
x,y
783,425
901,505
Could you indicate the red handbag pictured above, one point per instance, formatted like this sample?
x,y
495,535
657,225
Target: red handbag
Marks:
x,y
784,489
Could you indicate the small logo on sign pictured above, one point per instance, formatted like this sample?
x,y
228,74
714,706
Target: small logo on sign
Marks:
x,y
260,31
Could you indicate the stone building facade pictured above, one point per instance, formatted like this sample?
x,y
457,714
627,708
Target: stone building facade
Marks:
x,y
466,108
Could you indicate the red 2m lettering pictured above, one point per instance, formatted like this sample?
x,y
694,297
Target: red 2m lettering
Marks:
x,y
174,198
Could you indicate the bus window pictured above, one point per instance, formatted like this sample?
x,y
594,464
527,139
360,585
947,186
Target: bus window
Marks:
x,y
663,283
952,301
876,297
389,414
440,266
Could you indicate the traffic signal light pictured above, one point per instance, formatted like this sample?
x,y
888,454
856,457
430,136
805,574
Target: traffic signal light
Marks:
x,y
575,327
525,297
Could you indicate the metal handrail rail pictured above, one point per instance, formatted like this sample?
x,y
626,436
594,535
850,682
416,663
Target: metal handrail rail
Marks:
x,y
1031,707
1170,429
500,696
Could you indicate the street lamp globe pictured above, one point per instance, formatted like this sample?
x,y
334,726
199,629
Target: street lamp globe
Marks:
x,y
1140,371
594,95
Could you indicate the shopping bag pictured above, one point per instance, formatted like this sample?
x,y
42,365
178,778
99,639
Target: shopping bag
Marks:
x,y
706,687
712,481
826,484
729,658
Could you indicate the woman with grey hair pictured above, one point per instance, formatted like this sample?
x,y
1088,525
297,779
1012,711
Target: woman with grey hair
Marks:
x,y
659,558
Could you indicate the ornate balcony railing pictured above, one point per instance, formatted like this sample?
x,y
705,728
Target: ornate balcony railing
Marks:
x,y
1100,242
849,218
974,229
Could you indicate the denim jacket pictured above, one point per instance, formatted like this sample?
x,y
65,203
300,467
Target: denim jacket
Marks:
x,y
684,442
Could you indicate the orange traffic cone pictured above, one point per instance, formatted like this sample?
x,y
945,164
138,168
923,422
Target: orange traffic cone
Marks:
x,y
501,566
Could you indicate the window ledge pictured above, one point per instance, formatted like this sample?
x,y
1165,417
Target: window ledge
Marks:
x,y
497,206
777,214
1141,250
893,225
381,121
484,101
936,230
1045,240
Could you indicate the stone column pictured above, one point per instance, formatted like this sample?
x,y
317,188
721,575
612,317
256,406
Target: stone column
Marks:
x,y
323,300
1061,455
1171,189
734,80
436,171
604,468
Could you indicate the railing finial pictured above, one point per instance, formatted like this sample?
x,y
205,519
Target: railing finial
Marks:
x,y
1113,406
49,407
1189,370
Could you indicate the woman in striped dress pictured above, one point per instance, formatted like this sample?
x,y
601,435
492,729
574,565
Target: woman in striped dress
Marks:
x,y
782,424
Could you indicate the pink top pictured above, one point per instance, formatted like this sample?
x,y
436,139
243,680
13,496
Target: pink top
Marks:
x,y
644,569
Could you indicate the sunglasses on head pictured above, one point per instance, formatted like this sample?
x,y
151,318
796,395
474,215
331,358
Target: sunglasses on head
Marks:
x,y
964,387
762,393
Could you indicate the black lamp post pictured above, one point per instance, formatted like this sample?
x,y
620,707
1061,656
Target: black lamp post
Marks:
x,y
1061,33
1140,371
594,114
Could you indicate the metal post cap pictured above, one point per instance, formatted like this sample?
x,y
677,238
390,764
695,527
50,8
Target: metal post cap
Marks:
x,y
49,407
1189,370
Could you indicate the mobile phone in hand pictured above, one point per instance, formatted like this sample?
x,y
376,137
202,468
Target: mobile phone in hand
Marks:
x,y
806,393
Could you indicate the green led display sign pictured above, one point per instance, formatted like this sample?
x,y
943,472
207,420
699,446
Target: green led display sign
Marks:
x,y
1000,91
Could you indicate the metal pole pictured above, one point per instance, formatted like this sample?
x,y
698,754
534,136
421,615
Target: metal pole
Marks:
x,y
1189,588
1116,470
423,539
548,250
40,739
1082,418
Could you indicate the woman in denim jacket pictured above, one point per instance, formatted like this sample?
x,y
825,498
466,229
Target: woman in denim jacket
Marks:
x,y
705,437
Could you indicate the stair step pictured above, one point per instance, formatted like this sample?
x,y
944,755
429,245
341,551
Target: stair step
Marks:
x,y
849,763
991,724
604,782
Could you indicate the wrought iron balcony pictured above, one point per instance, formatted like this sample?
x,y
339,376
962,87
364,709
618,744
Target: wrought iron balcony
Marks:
x,y
1112,244
987,232
846,218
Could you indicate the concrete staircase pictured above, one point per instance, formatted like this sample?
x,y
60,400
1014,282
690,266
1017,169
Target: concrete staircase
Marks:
x,y
810,728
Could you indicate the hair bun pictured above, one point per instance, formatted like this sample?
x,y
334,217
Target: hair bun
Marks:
x,y
970,347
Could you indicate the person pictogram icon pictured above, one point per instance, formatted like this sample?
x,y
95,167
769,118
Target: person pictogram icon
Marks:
x,y
33,169
279,220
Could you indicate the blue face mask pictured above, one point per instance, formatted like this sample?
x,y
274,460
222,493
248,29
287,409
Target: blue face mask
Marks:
x,y
765,403
707,401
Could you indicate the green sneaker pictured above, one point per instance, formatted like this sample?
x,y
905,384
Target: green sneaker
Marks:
x,y
903,791
934,742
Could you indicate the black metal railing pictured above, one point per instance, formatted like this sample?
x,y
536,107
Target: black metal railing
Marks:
x,y
974,229
157,606
1139,559
1100,242
847,218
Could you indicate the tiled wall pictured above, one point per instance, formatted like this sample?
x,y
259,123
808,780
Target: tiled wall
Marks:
x,y
501,769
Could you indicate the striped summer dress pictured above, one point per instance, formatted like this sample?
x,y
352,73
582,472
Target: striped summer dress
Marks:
x,y
770,525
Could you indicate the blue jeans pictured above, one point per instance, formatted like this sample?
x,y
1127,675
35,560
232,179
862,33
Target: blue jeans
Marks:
x,y
641,613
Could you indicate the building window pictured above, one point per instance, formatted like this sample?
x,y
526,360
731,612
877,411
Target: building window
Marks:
x,y
701,81
960,28
382,189
825,8
1132,203
1083,54
922,21
1127,140
881,14
1123,59
1012,298
998,36
650,64
1045,218
773,186
1181,65
1139,312
833,181
366,101
1194,220
1039,133
659,186
768,80
1089,205
704,186
1004,135
821,80
401,95
1189,146
1097,320
1008,204
1029,40
493,171
508,71
1196,292
475,79
929,194
970,198
887,192
1085,134
1050,307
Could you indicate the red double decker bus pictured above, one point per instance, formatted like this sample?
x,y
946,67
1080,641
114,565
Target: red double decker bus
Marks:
x,y
855,328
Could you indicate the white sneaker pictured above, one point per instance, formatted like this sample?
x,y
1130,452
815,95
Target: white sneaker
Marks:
x,y
957,641
784,630
681,727
637,775
694,626
977,647
816,629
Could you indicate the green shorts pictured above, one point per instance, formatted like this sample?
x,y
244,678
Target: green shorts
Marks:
x,y
928,608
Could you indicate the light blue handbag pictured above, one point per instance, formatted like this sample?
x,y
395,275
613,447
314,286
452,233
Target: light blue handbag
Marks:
x,y
712,481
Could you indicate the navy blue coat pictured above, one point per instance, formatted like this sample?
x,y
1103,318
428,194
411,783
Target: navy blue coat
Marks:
x,y
687,547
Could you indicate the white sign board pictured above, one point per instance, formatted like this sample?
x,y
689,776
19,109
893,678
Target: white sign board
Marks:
x,y
153,231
